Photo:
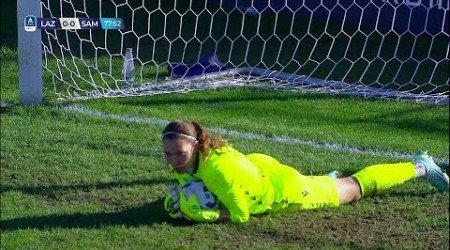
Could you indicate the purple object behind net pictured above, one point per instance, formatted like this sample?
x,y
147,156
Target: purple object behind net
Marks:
x,y
206,64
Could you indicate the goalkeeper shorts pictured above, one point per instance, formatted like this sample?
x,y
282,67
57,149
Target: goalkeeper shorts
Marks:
x,y
301,192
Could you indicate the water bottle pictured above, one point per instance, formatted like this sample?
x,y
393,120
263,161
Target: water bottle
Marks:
x,y
128,71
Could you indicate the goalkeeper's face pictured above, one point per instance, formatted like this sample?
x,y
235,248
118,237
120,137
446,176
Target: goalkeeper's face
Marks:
x,y
181,153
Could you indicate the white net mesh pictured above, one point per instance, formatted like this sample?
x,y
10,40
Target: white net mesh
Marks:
x,y
382,48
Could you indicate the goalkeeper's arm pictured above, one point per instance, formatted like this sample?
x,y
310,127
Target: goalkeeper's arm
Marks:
x,y
191,209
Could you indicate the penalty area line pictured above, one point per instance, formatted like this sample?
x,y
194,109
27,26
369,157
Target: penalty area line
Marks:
x,y
252,136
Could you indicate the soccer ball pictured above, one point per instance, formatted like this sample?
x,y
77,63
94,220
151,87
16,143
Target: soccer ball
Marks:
x,y
206,199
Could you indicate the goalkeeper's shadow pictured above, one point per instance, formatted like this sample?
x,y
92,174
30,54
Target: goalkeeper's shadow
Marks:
x,y
149,214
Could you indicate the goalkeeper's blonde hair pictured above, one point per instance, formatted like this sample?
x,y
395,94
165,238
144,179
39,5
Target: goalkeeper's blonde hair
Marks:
x,y
206,140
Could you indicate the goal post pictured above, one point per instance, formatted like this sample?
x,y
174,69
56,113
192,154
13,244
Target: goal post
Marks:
x,y
393,49
30,53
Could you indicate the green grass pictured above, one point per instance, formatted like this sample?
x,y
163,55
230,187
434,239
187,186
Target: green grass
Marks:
x,y
73,181
368,124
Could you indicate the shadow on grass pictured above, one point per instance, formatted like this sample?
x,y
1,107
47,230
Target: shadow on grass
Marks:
x,y
227,95
5,110
146,215
52,189
385,119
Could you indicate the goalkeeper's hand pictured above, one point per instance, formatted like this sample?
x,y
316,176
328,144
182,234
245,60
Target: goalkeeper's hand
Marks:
x,y
172,203
190,209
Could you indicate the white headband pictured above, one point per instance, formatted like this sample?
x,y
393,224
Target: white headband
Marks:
x,y
177,133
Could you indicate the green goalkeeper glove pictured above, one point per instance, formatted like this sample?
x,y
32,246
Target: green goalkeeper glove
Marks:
x,y
191,209
172,204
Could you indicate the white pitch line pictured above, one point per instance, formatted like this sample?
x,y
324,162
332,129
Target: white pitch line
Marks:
x,y
253,136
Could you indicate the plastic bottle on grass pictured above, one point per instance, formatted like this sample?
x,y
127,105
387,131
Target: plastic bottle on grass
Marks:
x,y
128,71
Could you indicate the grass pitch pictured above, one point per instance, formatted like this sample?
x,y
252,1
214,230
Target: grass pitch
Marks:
x,y
70,180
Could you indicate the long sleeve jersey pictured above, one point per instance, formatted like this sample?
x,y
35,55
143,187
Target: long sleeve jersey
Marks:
x,y
242,186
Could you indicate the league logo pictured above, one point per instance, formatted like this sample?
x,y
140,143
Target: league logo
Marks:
x,y
30,23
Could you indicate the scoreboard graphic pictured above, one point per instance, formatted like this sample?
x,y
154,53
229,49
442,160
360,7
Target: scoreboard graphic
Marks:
x,y
31,23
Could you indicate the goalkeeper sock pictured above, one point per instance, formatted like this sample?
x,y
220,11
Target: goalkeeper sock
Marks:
x,y
421,170
377,178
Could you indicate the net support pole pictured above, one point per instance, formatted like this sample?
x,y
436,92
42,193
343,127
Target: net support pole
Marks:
x,y
30,54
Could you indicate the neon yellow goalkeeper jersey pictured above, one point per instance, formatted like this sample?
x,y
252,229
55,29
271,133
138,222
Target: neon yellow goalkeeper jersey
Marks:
x,y
258,183
241,186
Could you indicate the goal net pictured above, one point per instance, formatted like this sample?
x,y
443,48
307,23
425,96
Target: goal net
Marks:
x,y
382,48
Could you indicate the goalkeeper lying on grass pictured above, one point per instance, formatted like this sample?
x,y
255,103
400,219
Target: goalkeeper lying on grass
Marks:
x,y
257,183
